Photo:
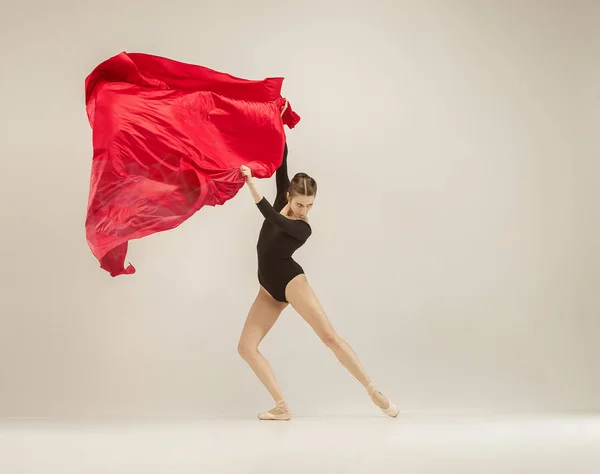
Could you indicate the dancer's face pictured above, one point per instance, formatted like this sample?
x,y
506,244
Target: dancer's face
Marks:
x,y
300,205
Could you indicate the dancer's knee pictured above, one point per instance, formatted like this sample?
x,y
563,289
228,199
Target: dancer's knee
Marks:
x,y
247,349
331,339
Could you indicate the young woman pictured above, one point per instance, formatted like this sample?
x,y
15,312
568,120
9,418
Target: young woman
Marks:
x,y
282,282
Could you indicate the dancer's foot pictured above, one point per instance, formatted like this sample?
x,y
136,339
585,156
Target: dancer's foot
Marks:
x,y
280,412
381,401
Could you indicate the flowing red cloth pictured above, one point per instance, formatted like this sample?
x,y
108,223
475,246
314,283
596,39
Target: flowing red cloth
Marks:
x,y
169,138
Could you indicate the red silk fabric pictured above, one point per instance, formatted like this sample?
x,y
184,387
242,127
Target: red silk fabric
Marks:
x,y
169,138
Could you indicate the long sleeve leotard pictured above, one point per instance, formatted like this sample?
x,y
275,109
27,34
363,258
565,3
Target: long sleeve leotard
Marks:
x,y
279,238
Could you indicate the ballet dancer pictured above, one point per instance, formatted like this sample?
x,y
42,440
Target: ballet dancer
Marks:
x,y
283,281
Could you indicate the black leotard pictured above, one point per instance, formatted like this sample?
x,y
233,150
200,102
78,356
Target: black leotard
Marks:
x,y
279,238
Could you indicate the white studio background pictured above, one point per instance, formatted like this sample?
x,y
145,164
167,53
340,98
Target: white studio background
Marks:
x,y
456,230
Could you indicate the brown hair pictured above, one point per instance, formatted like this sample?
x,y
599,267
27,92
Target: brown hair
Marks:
x,y
302,185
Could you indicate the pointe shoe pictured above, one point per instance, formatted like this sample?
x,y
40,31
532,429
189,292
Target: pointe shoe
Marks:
x,y
280,413
391,410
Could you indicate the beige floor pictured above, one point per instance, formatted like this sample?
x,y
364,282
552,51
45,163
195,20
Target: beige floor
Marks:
x,y
565,443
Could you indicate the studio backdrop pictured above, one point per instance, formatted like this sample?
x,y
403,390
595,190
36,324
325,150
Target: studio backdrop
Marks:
x,y
455,233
